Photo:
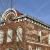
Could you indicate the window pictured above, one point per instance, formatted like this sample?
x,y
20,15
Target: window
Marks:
x,y
19,48
1,36
49,38
9,49
39,36
30,47
19,34
9,35
38,48
0,48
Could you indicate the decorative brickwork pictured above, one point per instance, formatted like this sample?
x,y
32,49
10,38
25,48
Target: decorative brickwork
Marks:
x,y
23,33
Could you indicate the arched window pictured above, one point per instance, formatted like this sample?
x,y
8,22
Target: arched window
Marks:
x,y
19,33
9,35
1,36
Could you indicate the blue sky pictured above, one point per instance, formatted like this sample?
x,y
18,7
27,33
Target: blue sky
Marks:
x,y
39,9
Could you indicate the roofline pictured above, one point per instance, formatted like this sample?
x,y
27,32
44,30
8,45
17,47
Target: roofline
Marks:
x,y
32,18
37,20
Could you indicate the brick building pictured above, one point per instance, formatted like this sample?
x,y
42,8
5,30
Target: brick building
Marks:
x,y
22,32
